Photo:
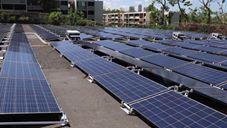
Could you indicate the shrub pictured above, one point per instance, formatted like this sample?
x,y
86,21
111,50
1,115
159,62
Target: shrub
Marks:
x,y
55,18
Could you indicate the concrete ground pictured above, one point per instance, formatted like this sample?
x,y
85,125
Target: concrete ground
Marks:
x,y
85,104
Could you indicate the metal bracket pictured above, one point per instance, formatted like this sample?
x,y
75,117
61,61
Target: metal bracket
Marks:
x,y
186,92
65,121
109,58
135,69
127,109
90,79
174,88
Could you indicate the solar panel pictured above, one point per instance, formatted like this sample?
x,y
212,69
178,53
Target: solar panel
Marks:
x,y
210,49
99,66
164,61
169,42
223,53
113,45
210,58
179,51
46,35
187,45
24,91
137,52
155,46
138,42
128,86
172,110
202,73
73,52
198,42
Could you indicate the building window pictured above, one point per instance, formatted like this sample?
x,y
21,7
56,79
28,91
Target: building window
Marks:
x,y
91,12
91,4
64,3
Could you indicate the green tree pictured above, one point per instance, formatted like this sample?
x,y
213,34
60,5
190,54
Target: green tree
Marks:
x,y
164,8
180,3
55,18
154,12
207,9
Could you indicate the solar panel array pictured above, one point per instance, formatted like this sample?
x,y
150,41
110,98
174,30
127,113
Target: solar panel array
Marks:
x,y
205,74
194,51
44,34
157,104
4,29
61,31
24,91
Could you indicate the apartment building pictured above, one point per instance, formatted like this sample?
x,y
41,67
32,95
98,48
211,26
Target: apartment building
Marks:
x,y
126,19
30,5
92,9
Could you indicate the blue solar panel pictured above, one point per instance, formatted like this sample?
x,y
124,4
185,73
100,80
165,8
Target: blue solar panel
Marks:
x,y
99,66
46,35
202,73
169,42
187,45
128,86
210,58
73,52
172,110
23,87
198,42
85,36
137,52
210,49
113,45
138,42
164,61
179,51
155,46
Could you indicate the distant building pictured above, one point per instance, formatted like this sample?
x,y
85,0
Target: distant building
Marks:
x,y
140,8
29,5
132,9
92,9
127,19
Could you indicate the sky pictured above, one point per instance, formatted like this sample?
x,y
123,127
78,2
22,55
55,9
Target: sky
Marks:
x,y
117,4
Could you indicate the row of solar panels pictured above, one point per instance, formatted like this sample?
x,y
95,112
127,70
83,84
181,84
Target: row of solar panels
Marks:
x,y
45,34
25,95
139,33
211,76
171,68
209,46
185,50
157,104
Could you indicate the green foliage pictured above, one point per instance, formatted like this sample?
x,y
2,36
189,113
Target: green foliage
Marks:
x,y
12,18
74,17
180,3
164,7
55,18
154,12
23,19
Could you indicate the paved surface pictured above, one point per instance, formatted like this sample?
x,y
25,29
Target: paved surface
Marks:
x,y
86,105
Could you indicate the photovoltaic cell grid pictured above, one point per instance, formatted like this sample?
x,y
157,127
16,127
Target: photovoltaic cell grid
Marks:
x,y
186,50
72,52
131,87
120,81
113,45
172,110
202,73
24,89
137,52
164,61
45,34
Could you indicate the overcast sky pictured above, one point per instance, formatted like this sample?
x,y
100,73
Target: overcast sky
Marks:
x,y
116,4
